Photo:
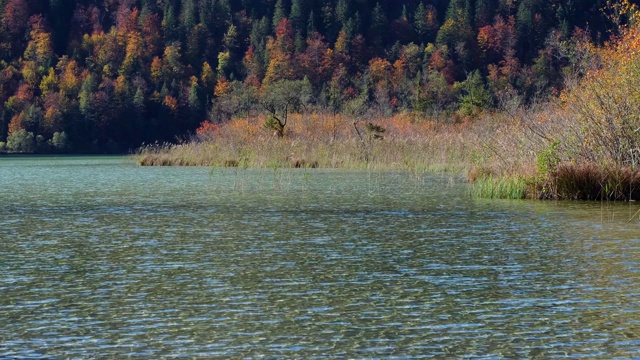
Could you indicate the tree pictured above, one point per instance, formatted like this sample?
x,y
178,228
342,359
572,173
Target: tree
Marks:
x,y
298,15
239,100
188,15
311,62
378,29
474,94
278,14
281,98
280,52
420,22
60,141
40,47
16,13
169,23
21,141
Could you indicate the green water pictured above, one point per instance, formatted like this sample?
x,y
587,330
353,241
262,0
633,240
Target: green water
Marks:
x,y
100,258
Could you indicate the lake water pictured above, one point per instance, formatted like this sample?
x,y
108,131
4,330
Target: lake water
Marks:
x,y
100,258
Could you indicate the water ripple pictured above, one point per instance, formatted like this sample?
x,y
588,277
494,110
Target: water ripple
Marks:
x,y
328,265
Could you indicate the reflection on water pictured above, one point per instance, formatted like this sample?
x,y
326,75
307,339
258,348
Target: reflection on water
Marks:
x,y
100,258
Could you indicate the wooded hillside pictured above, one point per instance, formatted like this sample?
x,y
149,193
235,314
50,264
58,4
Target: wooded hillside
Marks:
x,y
109,75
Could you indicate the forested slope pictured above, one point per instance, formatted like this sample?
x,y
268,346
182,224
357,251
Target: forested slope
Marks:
x,y
109,75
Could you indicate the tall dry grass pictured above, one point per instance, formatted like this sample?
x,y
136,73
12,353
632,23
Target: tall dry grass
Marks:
x,y
409,142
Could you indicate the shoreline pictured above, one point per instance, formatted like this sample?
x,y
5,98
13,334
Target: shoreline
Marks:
x,y
513,165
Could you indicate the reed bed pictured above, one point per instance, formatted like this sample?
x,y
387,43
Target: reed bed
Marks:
x,y
408,143
590,182
514,188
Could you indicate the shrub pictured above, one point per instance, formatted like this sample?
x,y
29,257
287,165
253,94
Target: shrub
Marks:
x,y
603,109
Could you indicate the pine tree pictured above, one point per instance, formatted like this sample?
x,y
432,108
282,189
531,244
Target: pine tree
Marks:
x,y
378,29
420,21
298,16
311,23
278,14
188,15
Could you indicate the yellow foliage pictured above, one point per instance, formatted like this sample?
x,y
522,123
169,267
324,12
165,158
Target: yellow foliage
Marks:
x,y
121,84
30,73
606,103
69,79
49,82
341,42
207,77
133,52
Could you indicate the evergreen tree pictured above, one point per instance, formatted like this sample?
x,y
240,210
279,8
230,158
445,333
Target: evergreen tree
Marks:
x,y
278,14
188,15
342,12
311,23
378,29
169,23
298,15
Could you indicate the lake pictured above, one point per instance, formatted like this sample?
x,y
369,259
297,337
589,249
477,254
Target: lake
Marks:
x,y
100,258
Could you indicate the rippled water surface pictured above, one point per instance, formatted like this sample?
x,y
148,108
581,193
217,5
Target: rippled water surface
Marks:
x,y
103,259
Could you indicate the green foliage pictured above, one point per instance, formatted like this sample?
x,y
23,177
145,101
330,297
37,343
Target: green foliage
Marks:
x,y
21,141
240,100
272,124
549,159
285,96
60,141
511,188
474,95
278,13
375,131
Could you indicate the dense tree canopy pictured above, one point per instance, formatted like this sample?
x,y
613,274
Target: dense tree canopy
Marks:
x,y
108,75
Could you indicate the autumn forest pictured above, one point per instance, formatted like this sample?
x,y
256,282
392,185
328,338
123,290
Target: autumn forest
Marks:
x,y
110,75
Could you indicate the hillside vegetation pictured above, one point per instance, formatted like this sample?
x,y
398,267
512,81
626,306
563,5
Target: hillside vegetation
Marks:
x,y
110,75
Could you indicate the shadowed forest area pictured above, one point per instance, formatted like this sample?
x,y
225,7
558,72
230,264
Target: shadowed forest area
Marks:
x,y
494,87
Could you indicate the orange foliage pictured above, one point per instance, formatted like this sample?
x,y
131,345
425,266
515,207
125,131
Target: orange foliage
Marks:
x,y
484,38
223,86
127,19
251,63
437,62
16,123
156,69
171,103
41,39
320,127
15,16
379,69
243,128
207,129
121,84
